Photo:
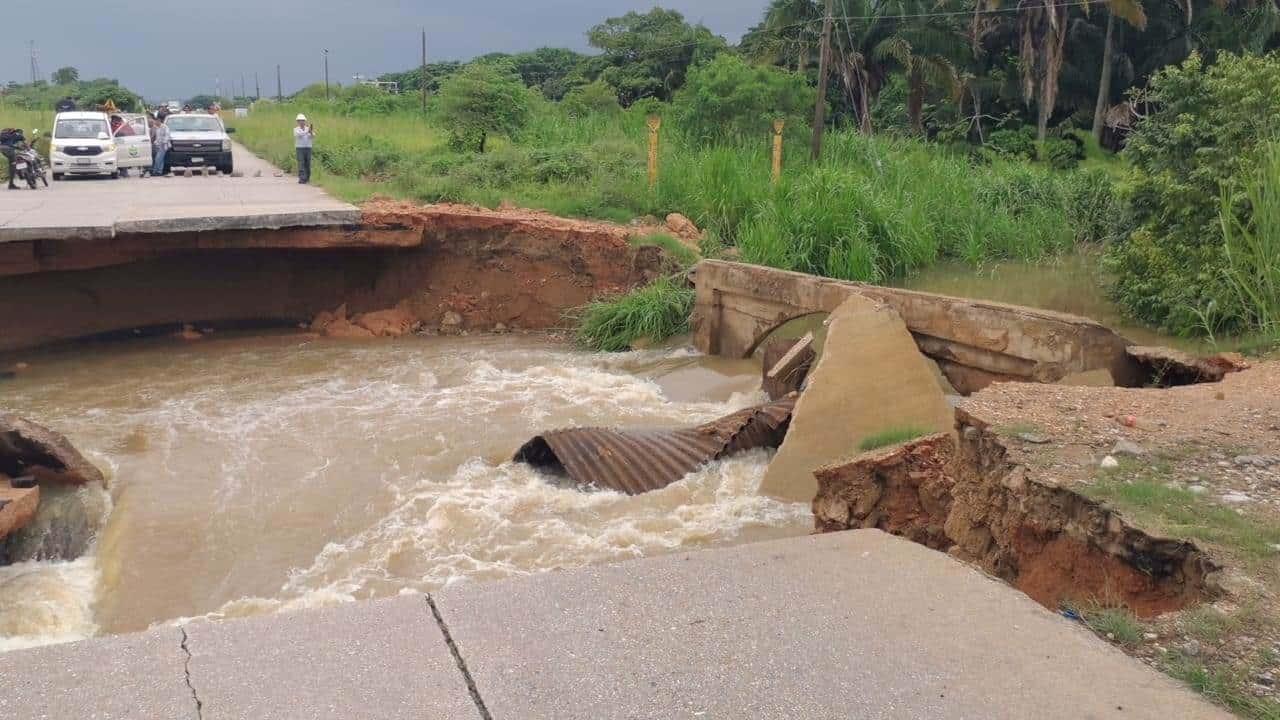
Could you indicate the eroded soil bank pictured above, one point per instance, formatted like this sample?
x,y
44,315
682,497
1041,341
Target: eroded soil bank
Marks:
x,y
1152,513
478,268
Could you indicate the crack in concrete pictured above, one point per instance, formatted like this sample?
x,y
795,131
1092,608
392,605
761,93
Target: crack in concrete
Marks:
x,y
186,669
457,658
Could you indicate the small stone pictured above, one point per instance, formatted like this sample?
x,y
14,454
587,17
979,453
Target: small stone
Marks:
x,y
1111,636
1032,437
500,328
1150,636
1197,489
1124,446
1190,648
1236,498
1109,463
1275,547
451,319
1265,678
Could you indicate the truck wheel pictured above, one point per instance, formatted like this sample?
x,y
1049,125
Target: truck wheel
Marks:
x,y
57,177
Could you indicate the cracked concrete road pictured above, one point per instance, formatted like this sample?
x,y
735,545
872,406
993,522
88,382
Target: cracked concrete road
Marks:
x,y
854,624
100,209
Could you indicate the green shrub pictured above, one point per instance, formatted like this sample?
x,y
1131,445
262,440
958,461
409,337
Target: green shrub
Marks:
x,y
653,313
1201,139
729,98
1063,154
559,164
1094,208
483,98
1014,142
594,98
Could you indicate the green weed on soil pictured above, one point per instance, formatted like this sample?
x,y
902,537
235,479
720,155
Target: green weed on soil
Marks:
x,y
654,312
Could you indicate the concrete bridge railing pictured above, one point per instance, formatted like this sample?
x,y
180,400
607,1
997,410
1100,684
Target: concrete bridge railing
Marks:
x,y
975,342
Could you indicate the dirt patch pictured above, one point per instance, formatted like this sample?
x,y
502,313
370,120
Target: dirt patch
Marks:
x,y
1055,545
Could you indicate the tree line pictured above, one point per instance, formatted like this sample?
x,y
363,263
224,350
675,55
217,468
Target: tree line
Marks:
x,y
955,68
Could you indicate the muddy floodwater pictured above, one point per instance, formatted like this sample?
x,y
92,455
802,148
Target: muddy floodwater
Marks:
x,y
256,474
1073,283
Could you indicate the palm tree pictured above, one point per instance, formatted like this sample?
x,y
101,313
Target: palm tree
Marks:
x,y
791,29
1131,12
925,53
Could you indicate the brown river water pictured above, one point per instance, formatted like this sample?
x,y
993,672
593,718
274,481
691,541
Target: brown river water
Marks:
x,y
258,473
252,474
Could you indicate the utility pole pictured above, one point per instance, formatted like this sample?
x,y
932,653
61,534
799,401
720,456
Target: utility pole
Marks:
x,y
326,75
820,104
423,79
257,87
279,85
244,91
35,65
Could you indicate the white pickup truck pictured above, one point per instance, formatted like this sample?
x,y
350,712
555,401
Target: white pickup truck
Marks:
x,y
198,140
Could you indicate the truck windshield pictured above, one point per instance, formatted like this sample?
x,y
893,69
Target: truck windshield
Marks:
x,y
191,123
79,129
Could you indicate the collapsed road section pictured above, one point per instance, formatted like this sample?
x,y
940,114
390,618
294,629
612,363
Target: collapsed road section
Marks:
x,y
455,267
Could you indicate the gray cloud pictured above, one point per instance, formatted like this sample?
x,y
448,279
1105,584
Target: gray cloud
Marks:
x,y
168,48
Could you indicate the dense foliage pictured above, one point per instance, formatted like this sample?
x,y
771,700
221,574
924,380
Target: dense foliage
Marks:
x,y
483,98
1199,140
728,97
85,94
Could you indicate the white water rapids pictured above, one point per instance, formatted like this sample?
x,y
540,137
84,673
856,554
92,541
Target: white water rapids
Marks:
x,y
258,474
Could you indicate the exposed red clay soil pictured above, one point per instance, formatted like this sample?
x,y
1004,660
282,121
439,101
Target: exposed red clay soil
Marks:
x,y
1052,543
506,269
450,268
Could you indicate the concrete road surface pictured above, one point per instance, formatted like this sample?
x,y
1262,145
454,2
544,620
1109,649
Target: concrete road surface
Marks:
x,y
857,624
100,208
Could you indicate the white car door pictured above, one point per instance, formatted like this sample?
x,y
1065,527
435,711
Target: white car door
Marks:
x,y
133,142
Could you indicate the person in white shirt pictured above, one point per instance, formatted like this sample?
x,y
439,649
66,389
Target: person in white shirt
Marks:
x,y
303,138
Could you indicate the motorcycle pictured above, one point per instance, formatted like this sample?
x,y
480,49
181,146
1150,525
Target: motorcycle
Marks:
x,y
27,163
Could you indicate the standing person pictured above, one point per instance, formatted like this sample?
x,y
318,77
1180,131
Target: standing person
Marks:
x,y
160,147
8,147
303,139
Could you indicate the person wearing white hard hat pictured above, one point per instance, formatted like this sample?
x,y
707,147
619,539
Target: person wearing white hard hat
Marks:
x,y
303,139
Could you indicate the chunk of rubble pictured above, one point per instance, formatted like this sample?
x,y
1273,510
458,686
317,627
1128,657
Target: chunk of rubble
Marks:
x,y
1166,367
18,507
965,498
870,378
30,449
786,364
634,461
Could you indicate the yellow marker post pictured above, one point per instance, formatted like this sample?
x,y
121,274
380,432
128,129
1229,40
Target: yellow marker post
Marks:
x,y
654,122
777,150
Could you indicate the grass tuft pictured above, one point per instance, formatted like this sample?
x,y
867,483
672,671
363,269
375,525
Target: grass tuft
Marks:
x,y
892,436
653,313
683,254
1118,623
1184,514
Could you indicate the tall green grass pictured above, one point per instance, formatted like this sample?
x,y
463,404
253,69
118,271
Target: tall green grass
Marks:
x,y
651,313
1252,247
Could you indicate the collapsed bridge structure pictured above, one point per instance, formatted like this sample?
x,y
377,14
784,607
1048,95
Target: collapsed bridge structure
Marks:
x,y
974,342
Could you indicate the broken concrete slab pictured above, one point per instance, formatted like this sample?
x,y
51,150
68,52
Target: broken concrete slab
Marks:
x,y
27,448
126,677
871,378
857,624
786,364
383,659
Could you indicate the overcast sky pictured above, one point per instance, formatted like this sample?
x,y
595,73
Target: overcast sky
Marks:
x,y
173,49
